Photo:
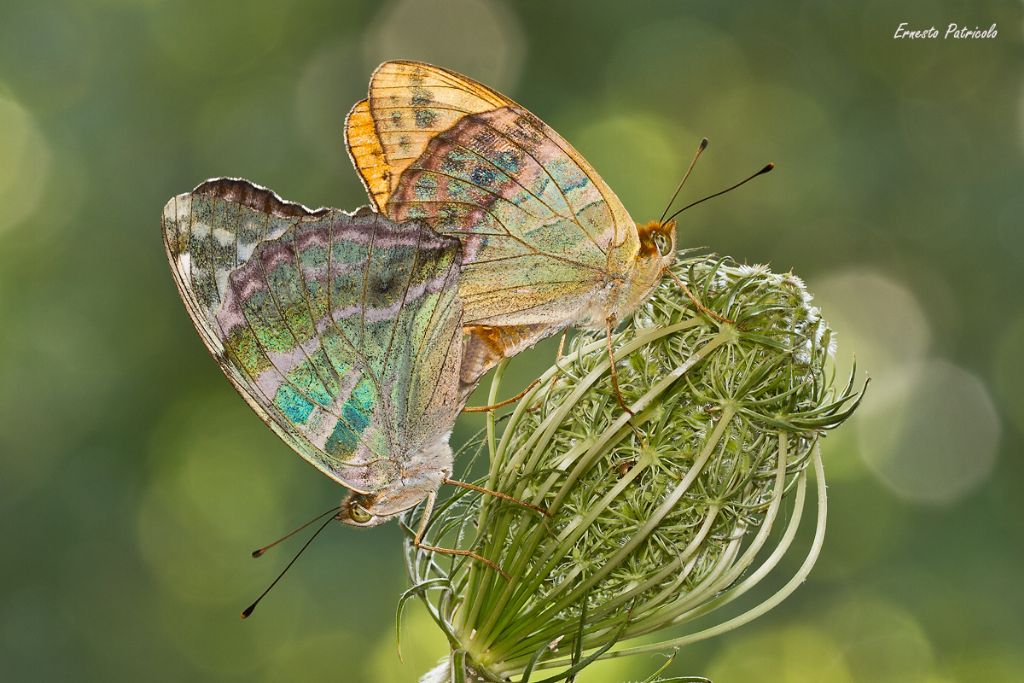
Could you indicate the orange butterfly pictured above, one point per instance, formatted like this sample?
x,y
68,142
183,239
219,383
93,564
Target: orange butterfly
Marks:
x,y
546,243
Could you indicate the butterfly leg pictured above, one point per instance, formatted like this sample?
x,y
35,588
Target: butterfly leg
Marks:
x,y
501,404
497,494
418,540
608,324
697,302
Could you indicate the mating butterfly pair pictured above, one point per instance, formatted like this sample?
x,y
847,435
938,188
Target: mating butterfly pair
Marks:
x,y
357,336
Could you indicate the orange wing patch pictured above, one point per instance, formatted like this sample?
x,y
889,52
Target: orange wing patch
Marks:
x,y
484,346
364,148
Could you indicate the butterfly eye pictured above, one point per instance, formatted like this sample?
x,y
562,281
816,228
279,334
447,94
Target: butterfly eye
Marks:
x,y
359,515
662,243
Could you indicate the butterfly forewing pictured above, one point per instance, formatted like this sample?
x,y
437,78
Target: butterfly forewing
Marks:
x,y
340,330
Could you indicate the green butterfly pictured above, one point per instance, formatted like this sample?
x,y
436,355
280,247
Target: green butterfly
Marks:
x,y
342,331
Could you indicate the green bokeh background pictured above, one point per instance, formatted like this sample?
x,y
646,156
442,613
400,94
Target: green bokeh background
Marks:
x,y
134,481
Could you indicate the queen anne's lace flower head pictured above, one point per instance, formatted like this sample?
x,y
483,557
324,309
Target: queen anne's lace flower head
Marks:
x,y
655,519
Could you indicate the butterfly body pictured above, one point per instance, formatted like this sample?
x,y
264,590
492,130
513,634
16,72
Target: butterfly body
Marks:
x,y
342,331
546,243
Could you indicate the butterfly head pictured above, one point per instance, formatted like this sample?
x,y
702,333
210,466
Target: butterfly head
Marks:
x,y
359,509
657,240
657,251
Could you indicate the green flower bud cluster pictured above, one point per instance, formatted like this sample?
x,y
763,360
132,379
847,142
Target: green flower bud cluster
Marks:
x,y
656,516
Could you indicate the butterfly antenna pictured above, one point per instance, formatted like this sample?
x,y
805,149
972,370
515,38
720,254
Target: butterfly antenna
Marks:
x,y
700,149
764,170
260,551
249,610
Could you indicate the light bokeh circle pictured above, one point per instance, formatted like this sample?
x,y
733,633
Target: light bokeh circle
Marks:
x,y
878,323
480,38
793,654
640,155
25,165
934,437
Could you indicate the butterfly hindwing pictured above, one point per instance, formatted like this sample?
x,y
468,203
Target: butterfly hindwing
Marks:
x,y
340,330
